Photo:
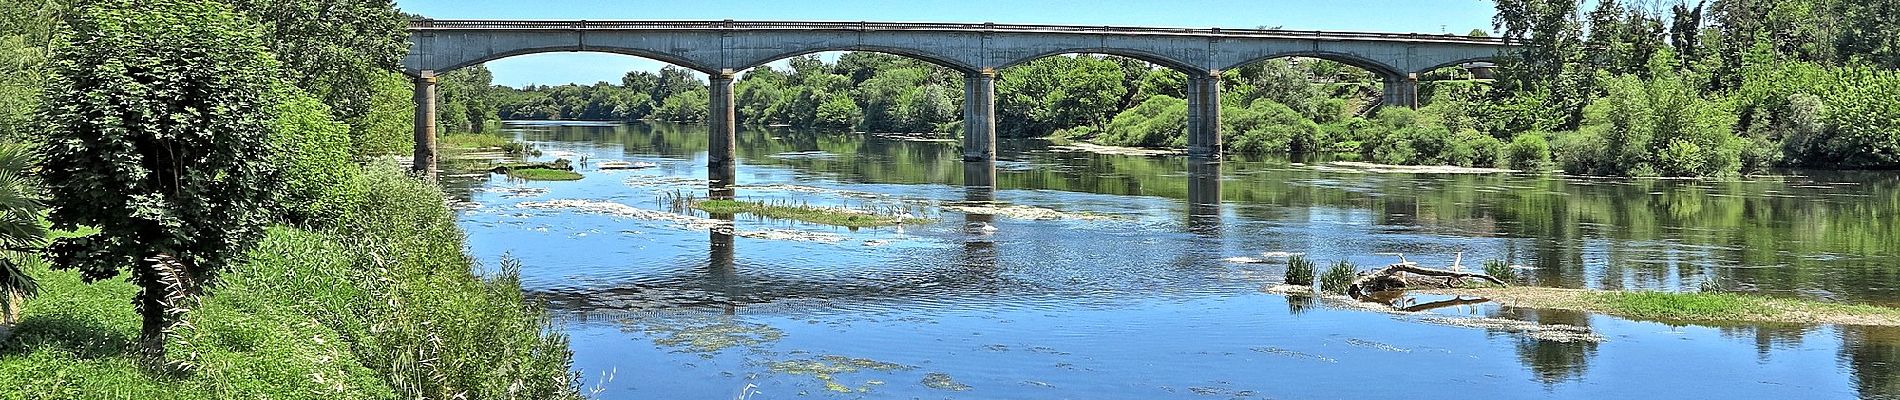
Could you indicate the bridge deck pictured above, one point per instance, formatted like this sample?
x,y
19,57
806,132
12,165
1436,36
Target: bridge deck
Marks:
x,y
443,24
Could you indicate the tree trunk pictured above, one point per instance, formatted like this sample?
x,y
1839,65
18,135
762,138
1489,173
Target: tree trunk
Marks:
x,y
10,314
1394,277
150,302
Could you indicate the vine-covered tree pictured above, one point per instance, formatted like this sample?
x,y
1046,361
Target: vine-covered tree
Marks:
x,y
159,115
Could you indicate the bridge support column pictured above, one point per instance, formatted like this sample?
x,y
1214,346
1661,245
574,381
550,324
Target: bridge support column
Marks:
x,y
979,116
1402,91
425,124
1203,119
721,152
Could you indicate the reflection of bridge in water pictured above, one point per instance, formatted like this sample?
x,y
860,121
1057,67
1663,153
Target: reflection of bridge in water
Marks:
x,y
972,274
723,49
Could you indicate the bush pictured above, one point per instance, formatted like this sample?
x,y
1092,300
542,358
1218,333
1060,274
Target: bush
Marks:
x,y
1270,127
1158,122
1338,277
1528,152
1659,126
439,329
1501,270
1299,271
319,162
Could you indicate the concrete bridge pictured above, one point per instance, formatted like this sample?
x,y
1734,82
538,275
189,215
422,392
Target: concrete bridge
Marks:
x,y
723,49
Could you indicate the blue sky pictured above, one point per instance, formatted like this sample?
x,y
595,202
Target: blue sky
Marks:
x,y
1421,16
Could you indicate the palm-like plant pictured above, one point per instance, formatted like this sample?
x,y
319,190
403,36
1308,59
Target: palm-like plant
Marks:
x,y
21,234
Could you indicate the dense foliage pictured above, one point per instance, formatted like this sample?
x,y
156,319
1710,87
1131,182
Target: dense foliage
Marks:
x,y
158,118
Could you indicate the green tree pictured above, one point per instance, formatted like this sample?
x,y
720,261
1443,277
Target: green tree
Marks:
x,y
159,118
333,48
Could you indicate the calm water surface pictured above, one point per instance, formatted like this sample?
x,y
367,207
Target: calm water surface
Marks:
x,y
1130,297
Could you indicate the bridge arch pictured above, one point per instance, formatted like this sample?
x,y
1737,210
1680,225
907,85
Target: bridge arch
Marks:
x,y
625,51
1490,59
917,54
1377,68
1150,57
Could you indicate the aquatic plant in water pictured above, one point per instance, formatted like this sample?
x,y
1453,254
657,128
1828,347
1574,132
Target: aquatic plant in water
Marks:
x,y
1299,271
827,368
1501,270
1338,277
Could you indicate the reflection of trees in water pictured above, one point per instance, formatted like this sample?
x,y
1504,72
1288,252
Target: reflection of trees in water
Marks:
x,y
1552,362
1874,355
1767,338
1638,232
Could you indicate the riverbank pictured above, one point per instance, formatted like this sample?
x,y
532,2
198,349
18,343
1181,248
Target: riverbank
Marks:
x,y
382,304
1686,307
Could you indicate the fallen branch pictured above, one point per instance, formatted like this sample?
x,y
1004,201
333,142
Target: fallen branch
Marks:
x,y
1394,277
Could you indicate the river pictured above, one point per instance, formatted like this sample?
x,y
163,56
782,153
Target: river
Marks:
x,y
1099,279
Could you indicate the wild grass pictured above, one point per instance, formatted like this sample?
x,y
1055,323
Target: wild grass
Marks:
x,y
1299,271
472,141
383,303
544,174
1711,307
1501,270
1338,277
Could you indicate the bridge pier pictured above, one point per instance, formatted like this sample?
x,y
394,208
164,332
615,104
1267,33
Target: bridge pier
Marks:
x,y
425,124
1203,119
1402,90
722,128
979,116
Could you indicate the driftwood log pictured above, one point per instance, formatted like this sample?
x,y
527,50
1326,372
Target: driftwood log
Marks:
x,y
1406,275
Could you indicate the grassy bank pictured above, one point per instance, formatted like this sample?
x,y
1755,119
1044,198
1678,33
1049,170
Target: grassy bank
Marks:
x,y
382,303
817,215
1688,307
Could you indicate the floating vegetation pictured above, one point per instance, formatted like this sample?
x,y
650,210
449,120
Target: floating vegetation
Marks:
x,y
710,337
942,381
827,368
517,192
660,181
1299,271
1376,345
1295,354
836,216
543,174
1547,332
1024,212
812,190
621,165
1084,147
680,220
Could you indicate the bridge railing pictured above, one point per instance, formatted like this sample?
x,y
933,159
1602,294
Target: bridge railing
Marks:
x,y
440,25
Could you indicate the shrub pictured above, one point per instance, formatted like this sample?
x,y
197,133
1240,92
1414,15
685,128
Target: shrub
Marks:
x,y
1501,270
1660,126
1158,122
1299,271
1338,277
437,329
1270,127
1528,152
319,162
